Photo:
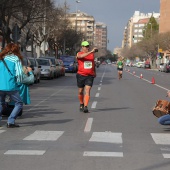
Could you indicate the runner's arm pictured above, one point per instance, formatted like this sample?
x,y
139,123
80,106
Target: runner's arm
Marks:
x,y
85,54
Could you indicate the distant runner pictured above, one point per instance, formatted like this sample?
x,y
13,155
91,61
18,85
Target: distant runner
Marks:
x,y
120,67
85,74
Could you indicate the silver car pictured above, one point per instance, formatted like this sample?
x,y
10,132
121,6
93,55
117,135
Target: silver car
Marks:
x,y
36,69
47,68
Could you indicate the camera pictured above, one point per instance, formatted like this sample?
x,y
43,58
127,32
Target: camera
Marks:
x,y
96,50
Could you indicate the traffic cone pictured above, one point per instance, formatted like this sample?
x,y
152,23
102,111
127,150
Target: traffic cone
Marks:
x,y
153,80
141,76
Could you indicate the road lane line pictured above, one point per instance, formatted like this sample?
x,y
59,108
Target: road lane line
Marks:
x,y
88,125
24,152
94,105
99,88
44,135
151,82
103,154
97,94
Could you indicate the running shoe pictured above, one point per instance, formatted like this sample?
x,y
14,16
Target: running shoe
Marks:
x,y
81,107
86,109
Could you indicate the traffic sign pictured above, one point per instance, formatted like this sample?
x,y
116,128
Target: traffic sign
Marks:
x,y
160,50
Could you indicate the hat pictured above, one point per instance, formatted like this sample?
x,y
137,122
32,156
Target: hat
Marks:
x,y
85,43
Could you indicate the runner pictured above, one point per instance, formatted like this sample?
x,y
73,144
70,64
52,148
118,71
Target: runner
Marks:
x,y
85,74
120,67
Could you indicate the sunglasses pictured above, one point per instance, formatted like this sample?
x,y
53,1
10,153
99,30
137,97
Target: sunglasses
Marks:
x,y
86,46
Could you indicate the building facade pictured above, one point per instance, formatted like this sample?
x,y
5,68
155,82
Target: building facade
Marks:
x,y
164,25
133,31
84,23
100,35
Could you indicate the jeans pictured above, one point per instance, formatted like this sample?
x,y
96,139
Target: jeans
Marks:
x,y
164,120
14,96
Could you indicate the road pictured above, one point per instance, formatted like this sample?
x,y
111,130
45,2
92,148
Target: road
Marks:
x,y
119,133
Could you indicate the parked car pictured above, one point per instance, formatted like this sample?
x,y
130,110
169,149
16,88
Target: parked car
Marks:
x,y
36,69
26,62
168,67
47,68
162,67
70,63
62,68
140,64
147,64
55,65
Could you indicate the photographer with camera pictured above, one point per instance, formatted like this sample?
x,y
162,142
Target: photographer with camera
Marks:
x,y
85,74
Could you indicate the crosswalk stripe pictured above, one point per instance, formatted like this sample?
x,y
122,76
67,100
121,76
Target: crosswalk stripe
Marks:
x,y
1,131
161,139
107,137
44,135
25,152
166,155
103,154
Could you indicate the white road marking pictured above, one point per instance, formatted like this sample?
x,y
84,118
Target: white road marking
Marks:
x,y
24,152
107,137
151,83
103,154
166,155
94,105
161,138
88,125
1,131
99,88
97,94
44,135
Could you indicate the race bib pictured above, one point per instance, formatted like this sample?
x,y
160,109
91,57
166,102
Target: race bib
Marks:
x,y
120,66
87,64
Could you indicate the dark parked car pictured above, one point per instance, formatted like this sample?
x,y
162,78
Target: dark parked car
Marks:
x,y
70,63
167,67
62,68
147,64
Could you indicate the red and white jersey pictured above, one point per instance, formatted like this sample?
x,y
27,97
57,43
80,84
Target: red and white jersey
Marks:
x,y
86,65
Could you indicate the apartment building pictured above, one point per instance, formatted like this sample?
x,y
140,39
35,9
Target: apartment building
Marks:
x,y
133,31
100,36
84,23
164,25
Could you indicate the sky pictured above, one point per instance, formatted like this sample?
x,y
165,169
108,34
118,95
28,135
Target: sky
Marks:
x,y
114,13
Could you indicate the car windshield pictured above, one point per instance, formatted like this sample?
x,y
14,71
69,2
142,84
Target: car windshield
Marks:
x,y
43,62
67,59
53,61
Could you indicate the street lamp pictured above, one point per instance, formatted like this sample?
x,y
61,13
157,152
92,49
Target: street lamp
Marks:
x,y
151,28
76,15
76,25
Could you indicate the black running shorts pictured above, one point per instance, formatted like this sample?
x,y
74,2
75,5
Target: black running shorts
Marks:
x,y
84,80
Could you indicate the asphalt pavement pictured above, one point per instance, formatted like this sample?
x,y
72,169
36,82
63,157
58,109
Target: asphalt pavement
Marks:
x,y
119,132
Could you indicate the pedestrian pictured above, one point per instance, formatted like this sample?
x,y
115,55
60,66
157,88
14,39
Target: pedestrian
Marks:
x,y
120,67
85,74
11,73
165,119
